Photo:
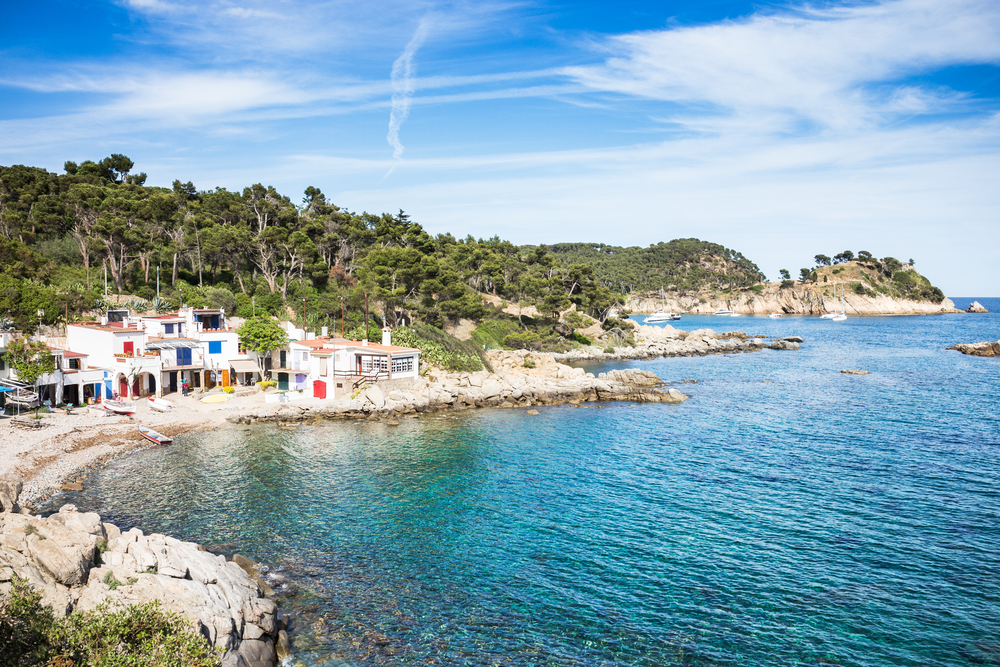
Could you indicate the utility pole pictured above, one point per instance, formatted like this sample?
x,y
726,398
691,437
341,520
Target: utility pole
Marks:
x,y
342,334
366,314
105,281
157,281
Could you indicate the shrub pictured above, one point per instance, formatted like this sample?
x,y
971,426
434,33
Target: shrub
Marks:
x,y
785,284
229,390
264,385
529,362
442,350
135,636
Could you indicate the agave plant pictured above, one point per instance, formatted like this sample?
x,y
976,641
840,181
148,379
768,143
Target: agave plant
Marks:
x,y
160,305
6,323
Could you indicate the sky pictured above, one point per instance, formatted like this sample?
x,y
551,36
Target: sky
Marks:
x,y
779,129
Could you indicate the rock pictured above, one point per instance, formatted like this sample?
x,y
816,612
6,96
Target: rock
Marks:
x,y
856,372
976,307
71,486
392,422
677,395
375,396
791,339
984,349
532,412
283,648
10,490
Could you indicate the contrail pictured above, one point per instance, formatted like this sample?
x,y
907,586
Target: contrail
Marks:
x,y
402,90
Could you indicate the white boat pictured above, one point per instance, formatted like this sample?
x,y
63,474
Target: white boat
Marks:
x,y
829,315
118,407
660,316
842,315
160,404
724,312
774,316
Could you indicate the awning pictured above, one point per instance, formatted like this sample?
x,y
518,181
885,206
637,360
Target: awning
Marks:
x,y
244,365
171,344
3,389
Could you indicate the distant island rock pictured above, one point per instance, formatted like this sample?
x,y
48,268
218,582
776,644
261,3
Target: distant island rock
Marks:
x,y
976,307
984,349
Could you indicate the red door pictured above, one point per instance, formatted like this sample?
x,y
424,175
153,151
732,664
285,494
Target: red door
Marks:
x,y
319,389
135,387
129,347
122,387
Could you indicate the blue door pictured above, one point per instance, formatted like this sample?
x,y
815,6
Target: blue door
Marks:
x,y
184,356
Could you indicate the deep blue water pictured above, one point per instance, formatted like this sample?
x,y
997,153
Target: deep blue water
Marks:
x,y
786,514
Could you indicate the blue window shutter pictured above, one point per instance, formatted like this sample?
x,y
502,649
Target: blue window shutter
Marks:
x,y
215,347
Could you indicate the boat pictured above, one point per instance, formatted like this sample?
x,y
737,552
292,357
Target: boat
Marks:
x,y
25,400
660,316
160,404
829,315
118,407
774,316
154,437
725,312
842,315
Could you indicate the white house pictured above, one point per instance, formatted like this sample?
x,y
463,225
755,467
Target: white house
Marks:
x,y
119,347
332,367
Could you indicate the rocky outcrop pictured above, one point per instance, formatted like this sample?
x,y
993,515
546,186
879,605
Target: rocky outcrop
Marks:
x,y
984,349
976,307
520,379
667,341
78,562
800,299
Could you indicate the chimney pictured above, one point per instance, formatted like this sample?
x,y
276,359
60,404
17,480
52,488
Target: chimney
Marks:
x,y
310,335
364,342
325,331
104,320
386,336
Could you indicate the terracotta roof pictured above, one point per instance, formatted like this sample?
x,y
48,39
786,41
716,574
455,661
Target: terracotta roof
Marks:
x,y
168,316
117,327
343,342
67,354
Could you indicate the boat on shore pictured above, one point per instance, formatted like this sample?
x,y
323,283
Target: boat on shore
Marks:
x,y
160,404
118,408
154,436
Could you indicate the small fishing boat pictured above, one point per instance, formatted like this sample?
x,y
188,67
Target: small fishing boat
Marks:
x,y
725,312
118,407
154,437
160,404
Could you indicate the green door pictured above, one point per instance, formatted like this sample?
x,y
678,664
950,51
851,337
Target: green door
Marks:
x,y
281,362
282,381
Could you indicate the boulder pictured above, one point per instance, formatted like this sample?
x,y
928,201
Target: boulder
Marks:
x,y
375,396
10,490
976,307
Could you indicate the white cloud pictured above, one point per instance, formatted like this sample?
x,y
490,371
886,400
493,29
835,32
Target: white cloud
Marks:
x,y
829,66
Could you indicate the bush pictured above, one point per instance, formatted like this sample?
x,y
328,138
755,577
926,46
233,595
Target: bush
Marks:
x,y
229,390
264,385
785,284
134,636
440,349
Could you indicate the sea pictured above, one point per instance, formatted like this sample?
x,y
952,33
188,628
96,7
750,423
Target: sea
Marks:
x,y
787,514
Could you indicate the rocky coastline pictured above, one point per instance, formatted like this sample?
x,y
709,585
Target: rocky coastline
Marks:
x,y
77,563
799,299
666,341
521,378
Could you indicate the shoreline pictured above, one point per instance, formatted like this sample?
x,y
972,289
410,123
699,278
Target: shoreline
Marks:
x,y
70,445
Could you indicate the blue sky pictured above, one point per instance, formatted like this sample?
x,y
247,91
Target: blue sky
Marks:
x,y
782,130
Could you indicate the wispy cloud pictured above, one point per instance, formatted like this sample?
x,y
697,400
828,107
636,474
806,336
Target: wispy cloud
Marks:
x,y
841,67
402,77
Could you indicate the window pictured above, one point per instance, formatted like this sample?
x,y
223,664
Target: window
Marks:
x,y
402,365
215,347
129,347
369,364
74,364
168,328
3,364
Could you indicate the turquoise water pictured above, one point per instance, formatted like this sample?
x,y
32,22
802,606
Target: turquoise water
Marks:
x,y
786,514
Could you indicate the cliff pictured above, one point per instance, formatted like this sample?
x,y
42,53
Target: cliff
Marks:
x,y
866,291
